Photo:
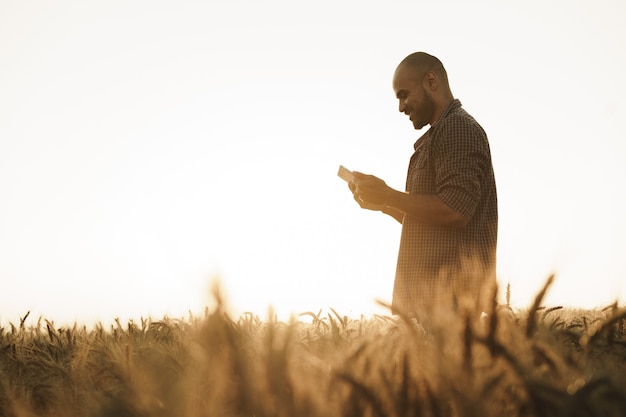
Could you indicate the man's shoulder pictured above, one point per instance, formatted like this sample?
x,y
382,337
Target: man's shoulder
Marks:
x,y
458,116
459,123
459,128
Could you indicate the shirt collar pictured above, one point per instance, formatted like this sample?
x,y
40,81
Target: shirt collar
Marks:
x,y
421,139
454,104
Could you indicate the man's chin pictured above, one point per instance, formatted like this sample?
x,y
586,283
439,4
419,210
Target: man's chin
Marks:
x,y
418,125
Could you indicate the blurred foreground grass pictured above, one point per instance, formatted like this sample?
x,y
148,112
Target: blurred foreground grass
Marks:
x,y
537,362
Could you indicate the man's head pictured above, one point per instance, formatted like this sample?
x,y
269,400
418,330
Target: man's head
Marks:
x,y
421,86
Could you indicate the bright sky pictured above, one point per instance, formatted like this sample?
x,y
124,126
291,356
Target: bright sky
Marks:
x,y
148,147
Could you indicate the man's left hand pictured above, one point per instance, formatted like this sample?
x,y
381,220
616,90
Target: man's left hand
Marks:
x,y
371,190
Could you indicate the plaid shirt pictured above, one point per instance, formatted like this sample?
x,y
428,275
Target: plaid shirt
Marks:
x,y
440,263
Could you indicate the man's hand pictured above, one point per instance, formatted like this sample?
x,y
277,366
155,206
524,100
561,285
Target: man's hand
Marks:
x,y
362,203
373,194
369,191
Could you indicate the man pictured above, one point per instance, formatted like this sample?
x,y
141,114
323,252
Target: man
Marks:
x,y
449,211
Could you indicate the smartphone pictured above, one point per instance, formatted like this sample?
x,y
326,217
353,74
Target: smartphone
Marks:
x,y
345,174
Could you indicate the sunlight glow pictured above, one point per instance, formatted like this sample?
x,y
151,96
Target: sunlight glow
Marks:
x,y
147,149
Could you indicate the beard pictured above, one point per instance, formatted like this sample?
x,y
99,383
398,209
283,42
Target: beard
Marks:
x,y
423,112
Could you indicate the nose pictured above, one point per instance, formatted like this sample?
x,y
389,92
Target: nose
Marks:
x,y
402,106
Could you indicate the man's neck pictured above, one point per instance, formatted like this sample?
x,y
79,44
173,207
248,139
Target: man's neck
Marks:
x,y
442,105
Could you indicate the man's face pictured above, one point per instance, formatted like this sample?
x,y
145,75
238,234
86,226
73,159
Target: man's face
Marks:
x,y
414,99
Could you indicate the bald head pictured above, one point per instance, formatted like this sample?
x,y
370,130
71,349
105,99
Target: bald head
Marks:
x,y
419,63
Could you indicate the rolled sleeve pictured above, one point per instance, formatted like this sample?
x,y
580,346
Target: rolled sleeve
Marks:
x,y
461,163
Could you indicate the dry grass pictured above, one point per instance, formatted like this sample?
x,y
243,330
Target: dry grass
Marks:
x,y
538,362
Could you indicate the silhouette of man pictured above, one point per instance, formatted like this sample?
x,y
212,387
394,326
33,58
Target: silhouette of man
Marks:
x,y
449,211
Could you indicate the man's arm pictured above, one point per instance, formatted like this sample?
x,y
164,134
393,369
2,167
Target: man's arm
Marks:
x,y
427,208
394,212
389,210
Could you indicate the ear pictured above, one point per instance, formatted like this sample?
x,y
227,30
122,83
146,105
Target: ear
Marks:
x,y
431,80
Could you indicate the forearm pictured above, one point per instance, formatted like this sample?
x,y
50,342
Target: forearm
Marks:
x,y
426,208
394,212
372,192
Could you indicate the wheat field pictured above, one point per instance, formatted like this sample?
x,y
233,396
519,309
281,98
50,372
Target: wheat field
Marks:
x,y
534,362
